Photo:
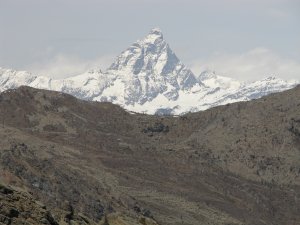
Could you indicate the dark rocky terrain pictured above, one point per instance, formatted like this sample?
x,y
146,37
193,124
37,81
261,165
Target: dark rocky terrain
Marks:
x,y
17,207
235,164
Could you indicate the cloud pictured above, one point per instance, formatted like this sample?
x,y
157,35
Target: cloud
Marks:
x,y
255,64
62,65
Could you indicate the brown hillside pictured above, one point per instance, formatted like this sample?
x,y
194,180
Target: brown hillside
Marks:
x,y
233,164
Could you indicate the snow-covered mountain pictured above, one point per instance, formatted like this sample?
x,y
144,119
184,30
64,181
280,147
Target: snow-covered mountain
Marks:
x,y
148,77
149,68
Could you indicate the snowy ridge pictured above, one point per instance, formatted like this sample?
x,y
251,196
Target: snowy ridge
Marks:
x,y
149,78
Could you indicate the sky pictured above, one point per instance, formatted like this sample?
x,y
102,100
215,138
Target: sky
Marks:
x,y
243,39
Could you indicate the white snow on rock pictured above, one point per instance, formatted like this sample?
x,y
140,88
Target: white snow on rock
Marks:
x,y
149,78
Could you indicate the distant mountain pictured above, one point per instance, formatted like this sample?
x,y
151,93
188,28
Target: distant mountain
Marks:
x,y
148,77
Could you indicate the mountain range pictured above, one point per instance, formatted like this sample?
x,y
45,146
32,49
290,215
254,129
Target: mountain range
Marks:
x,y
149,78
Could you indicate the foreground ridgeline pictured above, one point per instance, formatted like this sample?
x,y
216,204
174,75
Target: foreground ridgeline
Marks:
x,y
149,78
91,162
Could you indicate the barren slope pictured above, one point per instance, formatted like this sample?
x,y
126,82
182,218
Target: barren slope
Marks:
x,y
234,164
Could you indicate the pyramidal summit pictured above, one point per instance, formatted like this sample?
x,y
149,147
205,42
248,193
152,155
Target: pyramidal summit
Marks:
x,y
148,77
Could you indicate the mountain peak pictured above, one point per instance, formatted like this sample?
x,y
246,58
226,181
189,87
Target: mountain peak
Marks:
x,y
156,31
149,67
155,36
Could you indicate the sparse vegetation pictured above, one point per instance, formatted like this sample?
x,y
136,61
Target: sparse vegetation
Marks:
x,y
236,164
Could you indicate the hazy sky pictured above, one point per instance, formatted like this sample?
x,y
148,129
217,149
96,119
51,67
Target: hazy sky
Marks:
x,y
244,39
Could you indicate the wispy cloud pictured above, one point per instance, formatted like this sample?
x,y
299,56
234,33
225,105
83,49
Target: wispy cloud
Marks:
x,y
63,65
254,64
